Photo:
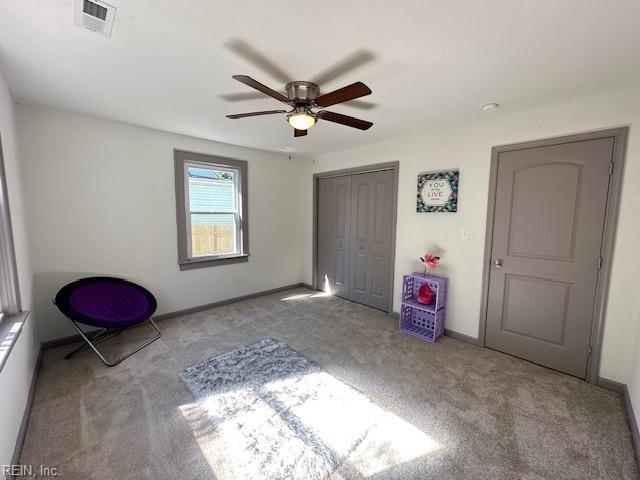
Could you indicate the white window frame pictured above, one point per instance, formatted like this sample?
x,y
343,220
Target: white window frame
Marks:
x,y
12,317
237,181
183,160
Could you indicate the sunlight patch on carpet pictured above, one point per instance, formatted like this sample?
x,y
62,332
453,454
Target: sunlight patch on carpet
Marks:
x,y
302,296
272,413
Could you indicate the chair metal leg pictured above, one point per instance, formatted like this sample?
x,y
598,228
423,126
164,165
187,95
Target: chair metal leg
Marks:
x,y
97,339
92,345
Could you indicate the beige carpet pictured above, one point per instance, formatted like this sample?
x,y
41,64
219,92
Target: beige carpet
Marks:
x,y
458,411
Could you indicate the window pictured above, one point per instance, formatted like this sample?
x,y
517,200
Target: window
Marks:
x,y
211,206
12,317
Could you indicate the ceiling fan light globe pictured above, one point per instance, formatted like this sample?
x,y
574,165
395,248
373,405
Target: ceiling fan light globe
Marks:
x,y
301,121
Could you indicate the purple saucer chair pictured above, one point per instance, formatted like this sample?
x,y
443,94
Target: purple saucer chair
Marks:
x,y
111,304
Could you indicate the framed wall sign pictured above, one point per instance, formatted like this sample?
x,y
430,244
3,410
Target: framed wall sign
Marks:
x,y
438,191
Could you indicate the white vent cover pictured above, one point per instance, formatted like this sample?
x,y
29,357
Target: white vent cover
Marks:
x,y
94,15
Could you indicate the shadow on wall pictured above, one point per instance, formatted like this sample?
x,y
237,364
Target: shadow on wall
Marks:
x,y
51,323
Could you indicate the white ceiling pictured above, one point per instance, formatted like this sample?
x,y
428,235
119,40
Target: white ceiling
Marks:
x,y
436,62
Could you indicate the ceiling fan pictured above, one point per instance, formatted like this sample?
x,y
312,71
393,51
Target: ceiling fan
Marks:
x,y
304,98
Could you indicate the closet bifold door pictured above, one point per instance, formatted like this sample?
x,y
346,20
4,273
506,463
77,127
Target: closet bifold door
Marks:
x,y
334,227
371,234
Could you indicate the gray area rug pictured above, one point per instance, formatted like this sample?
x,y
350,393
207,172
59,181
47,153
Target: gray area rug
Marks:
x,y
278,415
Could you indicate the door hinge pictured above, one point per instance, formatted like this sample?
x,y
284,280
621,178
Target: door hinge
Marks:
x,y
599,263
589,353
611,168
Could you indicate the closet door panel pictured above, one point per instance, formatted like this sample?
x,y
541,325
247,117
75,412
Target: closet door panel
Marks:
x,y
334,229
371,238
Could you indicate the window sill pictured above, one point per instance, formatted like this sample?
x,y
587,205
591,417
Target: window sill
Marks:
x,y
212,262
10,328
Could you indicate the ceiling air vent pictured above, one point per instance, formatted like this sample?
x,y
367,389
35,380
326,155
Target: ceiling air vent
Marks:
x,y
94,15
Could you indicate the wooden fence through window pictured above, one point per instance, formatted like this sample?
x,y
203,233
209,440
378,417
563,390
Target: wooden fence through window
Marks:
x,y
212,239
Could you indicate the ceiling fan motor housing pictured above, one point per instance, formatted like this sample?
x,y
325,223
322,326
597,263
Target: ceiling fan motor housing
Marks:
x,y
302,91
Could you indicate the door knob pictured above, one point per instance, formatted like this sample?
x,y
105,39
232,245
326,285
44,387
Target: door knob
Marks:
x,y
498,262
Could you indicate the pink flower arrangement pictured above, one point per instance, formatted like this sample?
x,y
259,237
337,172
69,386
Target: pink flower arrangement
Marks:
x,y
429,260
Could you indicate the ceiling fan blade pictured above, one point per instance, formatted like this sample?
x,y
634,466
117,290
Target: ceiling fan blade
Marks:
x,y
257,59
260,87
345,120
299,133
361,104
241,97
344,94
347,64
255,114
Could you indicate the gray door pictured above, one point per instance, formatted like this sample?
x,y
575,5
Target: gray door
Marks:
x,y
371,236
334,224
548,224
